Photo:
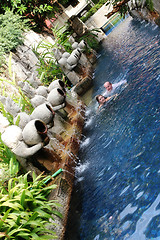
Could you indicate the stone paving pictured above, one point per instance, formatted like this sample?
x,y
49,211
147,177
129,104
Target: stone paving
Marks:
x,y
98,19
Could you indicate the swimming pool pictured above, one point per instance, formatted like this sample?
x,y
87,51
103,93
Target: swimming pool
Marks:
x,y
112,23
118,177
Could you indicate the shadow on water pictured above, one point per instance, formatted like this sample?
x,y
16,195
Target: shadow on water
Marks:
x,y
117,194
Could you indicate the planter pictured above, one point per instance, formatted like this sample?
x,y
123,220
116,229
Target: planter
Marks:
x,y
34,132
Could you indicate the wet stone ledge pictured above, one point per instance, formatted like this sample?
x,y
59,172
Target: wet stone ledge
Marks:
x,y
50,159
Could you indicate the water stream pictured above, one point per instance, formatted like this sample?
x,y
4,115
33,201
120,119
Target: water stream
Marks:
x,y
119,170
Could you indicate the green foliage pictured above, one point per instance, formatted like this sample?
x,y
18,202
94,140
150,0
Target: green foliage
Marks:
x,y
19,98
123,9
150,5
61,36
2,56
91,39
8,162
95,1
36,11
25,211
11,29
48,69
65,3
6,114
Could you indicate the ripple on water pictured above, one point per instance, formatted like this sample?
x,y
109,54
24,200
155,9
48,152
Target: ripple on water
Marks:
x,y
121,180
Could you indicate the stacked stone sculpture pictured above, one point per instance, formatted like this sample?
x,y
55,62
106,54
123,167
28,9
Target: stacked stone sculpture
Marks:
x,y
14,138
70,61
31,133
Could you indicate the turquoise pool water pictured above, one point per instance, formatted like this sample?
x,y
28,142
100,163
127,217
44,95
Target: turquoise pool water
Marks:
x,y
118,176
112,23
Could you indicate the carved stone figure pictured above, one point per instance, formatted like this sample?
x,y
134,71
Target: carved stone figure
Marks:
x,y
56,84
45,113
56,98
42,90
34,132
13,139
38,100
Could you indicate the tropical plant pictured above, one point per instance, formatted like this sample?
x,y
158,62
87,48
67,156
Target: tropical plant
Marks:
x,y
11,29
90,38
94,1
150,5
123,8
61,36
8,162
65,3
34,10
25,210
6,114
50,71
48,68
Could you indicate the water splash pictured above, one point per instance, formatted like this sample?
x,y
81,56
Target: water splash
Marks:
x,y
130,160
85,143
82,167
80,179
88,112
97,237
140,194
89,122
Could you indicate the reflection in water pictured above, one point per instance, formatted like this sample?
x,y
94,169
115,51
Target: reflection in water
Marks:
x,y
120,186
145,219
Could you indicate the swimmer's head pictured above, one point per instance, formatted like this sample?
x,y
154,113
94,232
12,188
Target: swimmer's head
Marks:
x,y
108,86
100,99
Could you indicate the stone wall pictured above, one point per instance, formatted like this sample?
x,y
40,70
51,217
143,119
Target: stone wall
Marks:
x,y
24,60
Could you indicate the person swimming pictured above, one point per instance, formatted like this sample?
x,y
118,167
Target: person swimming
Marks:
x,y
102,100
112,88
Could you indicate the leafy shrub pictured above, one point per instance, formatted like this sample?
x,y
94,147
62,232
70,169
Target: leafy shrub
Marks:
x,y
65,3
61,36
36,11
11,29
90,38
8,162
49,70
20,98
6,114
95,1
25,211
48,66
